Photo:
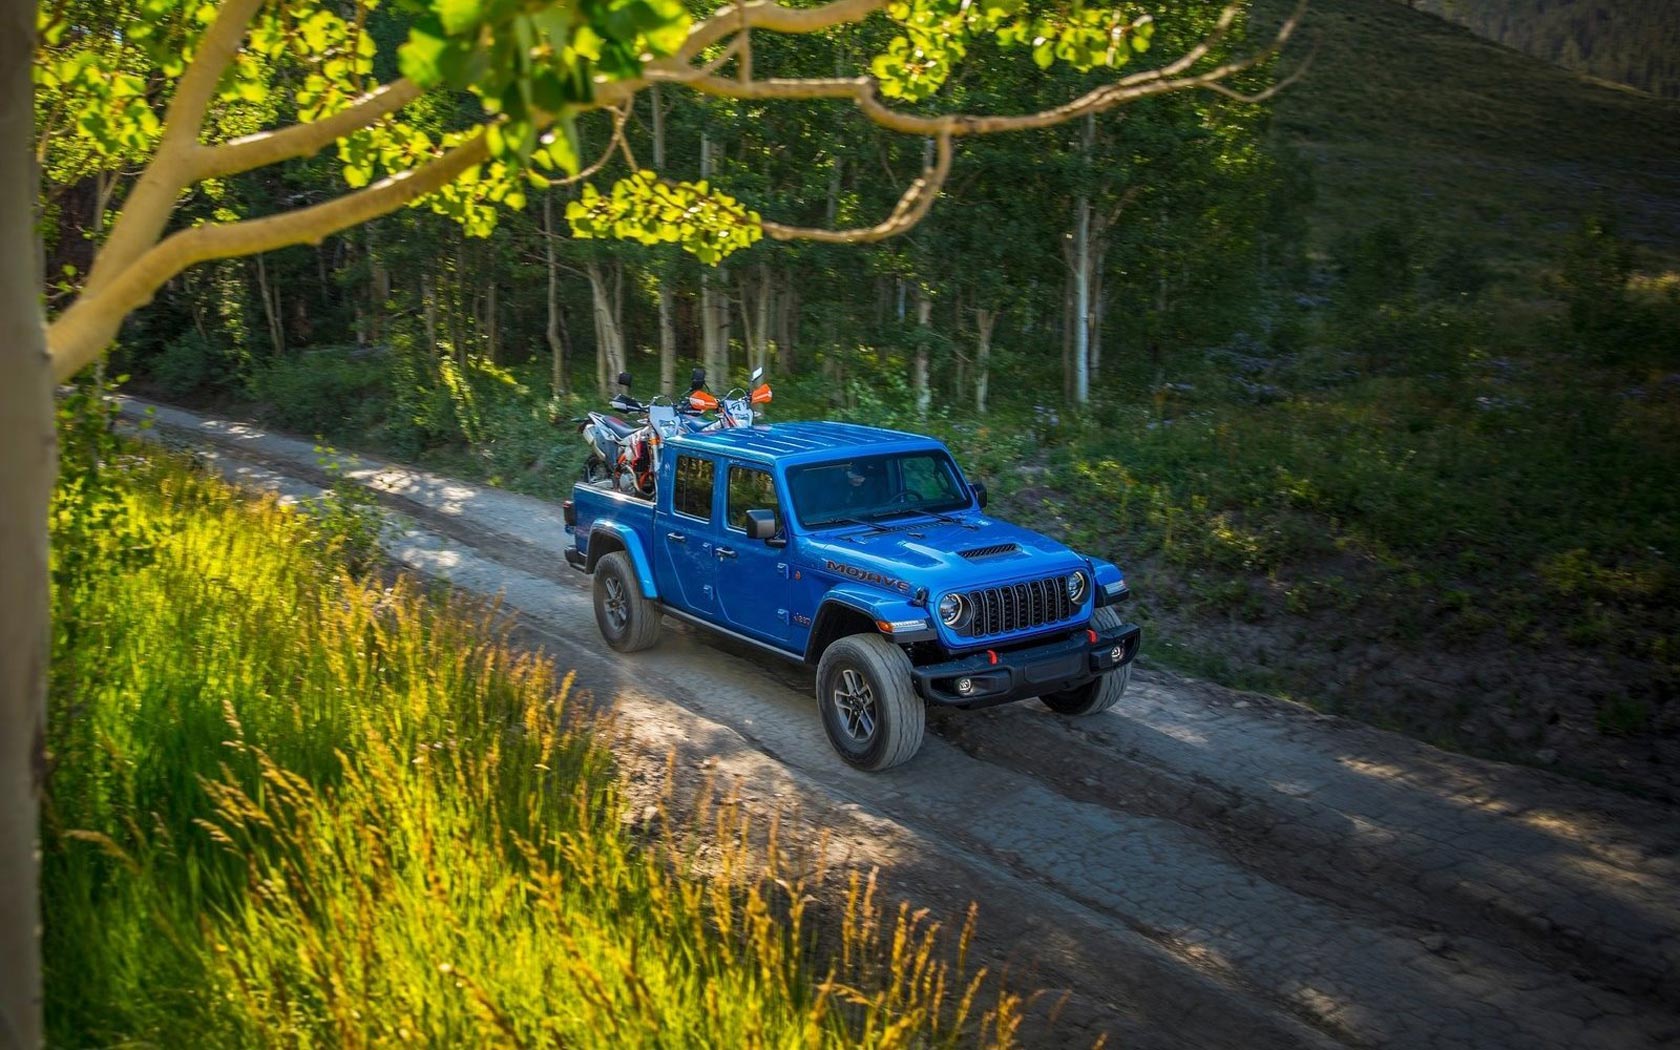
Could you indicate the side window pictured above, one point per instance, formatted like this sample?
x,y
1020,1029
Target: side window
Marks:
x,y
692,494
927,477
749,489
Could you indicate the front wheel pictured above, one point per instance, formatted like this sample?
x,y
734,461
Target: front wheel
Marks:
x,y
870,710
628,620
1101,692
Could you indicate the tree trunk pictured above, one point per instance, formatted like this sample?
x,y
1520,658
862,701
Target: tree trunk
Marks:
x,y
714,306
983,321
1099,305
491,336
667,325
556,348
924,321
1068,314
270,296
787,319
1082,280
428,311
28,452
379,286
609,332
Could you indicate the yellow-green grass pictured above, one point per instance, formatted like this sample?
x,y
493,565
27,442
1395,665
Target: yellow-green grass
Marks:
x,y
291,808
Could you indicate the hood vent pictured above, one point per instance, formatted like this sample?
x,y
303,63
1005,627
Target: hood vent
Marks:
x,y
989,552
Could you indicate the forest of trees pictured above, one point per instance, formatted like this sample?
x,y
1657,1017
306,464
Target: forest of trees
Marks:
x,y
1166,223
1633,42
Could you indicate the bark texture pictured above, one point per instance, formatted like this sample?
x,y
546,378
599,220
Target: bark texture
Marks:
x,y
27,464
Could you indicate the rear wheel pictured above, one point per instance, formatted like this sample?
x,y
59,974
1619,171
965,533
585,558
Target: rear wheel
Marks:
x,y
628,620
1101,692
870,710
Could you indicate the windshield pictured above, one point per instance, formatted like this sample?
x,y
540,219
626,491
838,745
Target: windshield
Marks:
x,y
869,487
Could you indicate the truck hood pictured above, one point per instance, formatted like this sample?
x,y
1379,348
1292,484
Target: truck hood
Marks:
x,y
919,551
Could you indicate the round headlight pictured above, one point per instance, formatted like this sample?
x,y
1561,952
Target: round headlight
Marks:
x,y
951,609
1076,587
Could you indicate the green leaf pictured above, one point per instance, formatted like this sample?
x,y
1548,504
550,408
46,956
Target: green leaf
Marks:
x,y
459,16
420,58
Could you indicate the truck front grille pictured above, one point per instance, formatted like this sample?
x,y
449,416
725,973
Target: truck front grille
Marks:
x,y
1017,607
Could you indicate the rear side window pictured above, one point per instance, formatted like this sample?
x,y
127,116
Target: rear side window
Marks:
x,y
749,489
692,494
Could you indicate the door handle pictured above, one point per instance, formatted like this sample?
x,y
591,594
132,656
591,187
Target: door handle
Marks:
x,y
726,552
676,537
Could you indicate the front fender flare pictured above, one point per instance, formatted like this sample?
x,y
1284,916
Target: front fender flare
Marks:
x,y
873,606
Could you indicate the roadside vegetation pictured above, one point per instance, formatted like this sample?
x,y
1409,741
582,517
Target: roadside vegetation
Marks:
x,y
288,805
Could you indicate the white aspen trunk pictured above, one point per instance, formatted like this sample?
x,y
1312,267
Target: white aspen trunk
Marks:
x,y
924,320
714,306
551,331
609,336
1082,281
270,297
379,285
28,462
983,321
1099,304
428,312
667,324
833,210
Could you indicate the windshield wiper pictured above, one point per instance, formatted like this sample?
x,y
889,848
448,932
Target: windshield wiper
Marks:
x,y
947,519
850,521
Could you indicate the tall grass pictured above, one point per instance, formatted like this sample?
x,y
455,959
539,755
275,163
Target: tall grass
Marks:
x,y
289,807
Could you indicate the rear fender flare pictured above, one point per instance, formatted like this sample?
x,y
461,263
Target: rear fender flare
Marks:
x,y
605,536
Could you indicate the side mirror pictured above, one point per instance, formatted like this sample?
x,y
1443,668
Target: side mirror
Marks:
x,y
624,380
979,488
762,525
697,379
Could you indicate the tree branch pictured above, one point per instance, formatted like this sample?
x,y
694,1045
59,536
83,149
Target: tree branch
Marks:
x,y
150,204
911,208
305,139
861,90
763,14
83,331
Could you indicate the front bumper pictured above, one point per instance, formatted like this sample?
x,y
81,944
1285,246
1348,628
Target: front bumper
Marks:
x,y
1001,677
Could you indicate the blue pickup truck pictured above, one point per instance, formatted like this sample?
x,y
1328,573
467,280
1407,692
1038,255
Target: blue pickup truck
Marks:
x,y
867,553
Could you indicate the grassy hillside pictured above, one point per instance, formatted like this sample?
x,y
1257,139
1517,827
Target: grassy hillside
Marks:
x,y
1406,116
1632,42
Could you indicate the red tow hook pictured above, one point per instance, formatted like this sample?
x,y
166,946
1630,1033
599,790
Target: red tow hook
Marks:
x,y
1089,633
992,656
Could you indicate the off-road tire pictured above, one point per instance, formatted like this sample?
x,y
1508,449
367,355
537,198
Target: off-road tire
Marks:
x,y
1101,692
896,716
628,620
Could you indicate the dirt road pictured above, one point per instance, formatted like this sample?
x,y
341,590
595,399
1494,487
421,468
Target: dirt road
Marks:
x,y
1198,867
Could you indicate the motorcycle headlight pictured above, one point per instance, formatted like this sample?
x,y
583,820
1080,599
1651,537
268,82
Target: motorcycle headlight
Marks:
x,y
1076,587
951,609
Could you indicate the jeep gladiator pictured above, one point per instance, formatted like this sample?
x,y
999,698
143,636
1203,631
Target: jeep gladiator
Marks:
x,y
867,553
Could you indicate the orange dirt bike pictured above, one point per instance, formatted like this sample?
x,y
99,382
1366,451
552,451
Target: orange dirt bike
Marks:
x,y
734,409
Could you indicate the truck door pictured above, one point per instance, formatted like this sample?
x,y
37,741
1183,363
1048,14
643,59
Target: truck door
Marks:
x,y
752,583
686,560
